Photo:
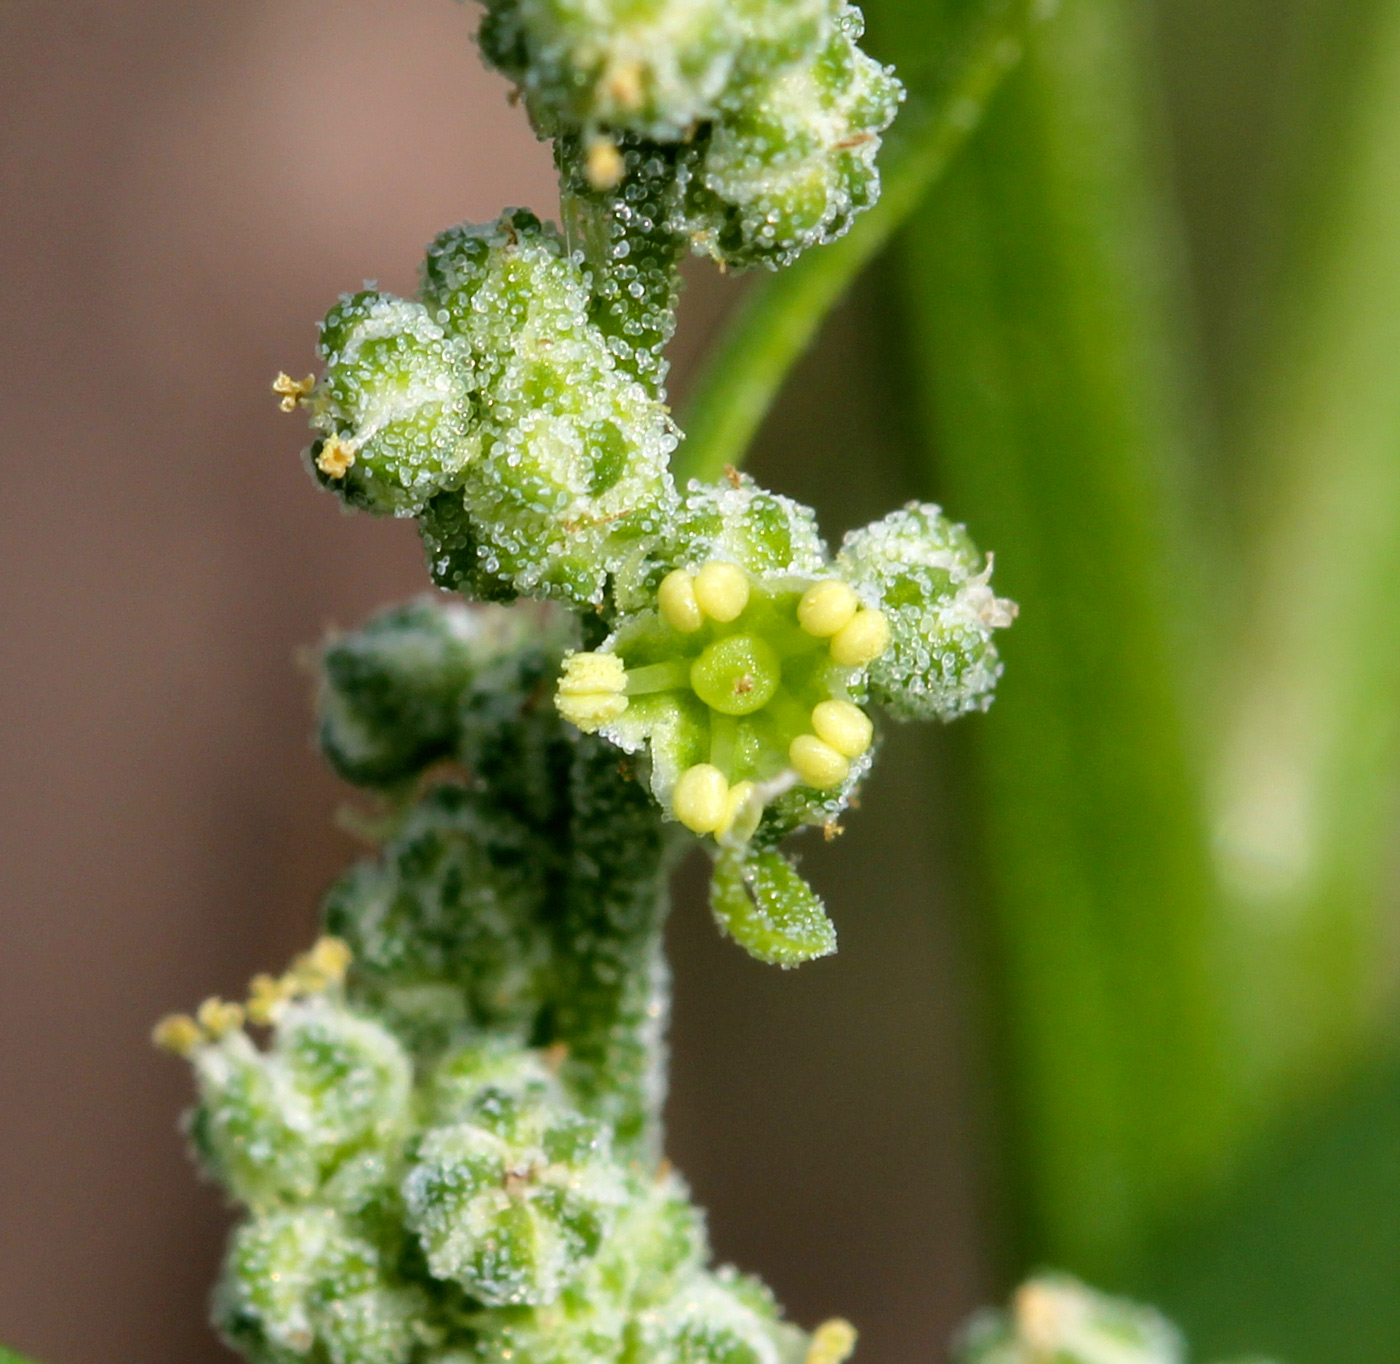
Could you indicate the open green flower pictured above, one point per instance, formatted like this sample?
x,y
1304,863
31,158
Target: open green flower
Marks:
x,y
743,690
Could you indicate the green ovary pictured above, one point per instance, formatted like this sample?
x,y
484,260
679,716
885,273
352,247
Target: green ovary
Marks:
x,y
736,676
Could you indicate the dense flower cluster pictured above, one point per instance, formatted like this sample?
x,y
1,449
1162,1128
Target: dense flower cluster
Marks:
x,y
448,1145
447,1137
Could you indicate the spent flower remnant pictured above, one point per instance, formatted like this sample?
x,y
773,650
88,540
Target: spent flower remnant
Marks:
x,y
443,1122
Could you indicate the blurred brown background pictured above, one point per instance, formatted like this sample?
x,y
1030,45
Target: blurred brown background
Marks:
x,y
184,188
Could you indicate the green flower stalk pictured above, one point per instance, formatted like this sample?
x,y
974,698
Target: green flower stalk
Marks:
x,y
443,1123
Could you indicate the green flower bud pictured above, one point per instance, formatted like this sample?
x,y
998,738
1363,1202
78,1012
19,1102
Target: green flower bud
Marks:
x,y
571,480
390,691
719,1318
932,585
280,1124
765,533
1058,1319
444,924
654,67
303,1284
514,1201
792,160
657,1245
493,1078
394,409
729,680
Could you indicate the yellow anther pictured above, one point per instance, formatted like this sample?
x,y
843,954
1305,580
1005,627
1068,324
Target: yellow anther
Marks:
x,y
827,607
218,1018
329,958
676,599
178,1034
265,993
293,392
623,83
844,726
336,457
742,811
591,690
701,798
722,591
833,1342
862,639
817,763
604,165
320,968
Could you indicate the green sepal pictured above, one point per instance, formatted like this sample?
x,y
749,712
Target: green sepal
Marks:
x,y
761,901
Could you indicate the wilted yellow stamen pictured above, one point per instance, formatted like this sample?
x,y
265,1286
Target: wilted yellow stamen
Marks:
x,y
844,726
332,956
178,1034
218,1018
265,993
591,690
701,798
817,763
827,607
293,392
722,591
862,640
604,165
676,600
336,457
320,968
833,1342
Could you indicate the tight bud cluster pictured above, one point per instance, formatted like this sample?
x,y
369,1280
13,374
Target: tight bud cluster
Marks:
x,y
768,114
442,1121
445,1125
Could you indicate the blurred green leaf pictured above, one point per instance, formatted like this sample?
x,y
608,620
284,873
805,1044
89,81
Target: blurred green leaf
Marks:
x,y
1306,804
8,1356
1039,285
1303,1260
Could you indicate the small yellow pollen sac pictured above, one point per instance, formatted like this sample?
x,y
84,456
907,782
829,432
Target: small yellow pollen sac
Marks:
x,y
336,457
827,607
817,763
218,1018
722,590
741,811
591,690
604,165
676,599
862,640
701,798
178,1034
844,726
833,1342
